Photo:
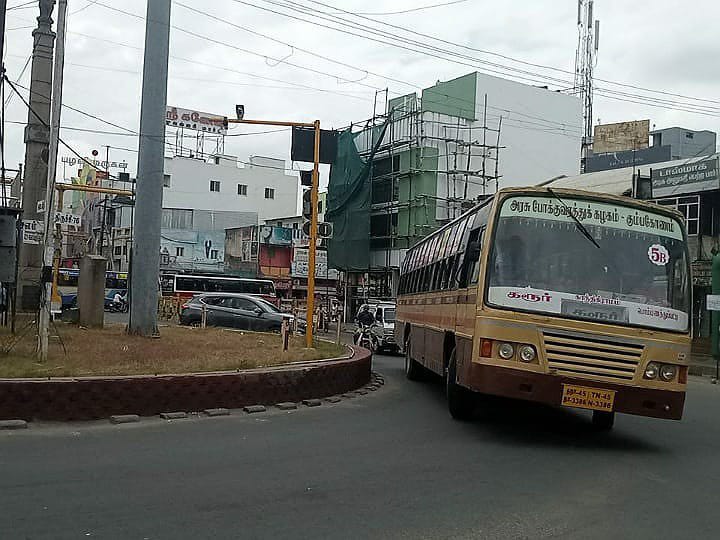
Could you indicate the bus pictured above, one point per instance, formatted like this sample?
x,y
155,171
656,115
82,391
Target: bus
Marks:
x,y
561,297
188,285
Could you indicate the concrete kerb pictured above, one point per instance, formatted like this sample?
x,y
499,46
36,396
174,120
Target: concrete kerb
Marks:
x,y
125,399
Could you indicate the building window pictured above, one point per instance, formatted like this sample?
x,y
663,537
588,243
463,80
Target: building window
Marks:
x,y
295,225
269,193
215,185
688,207
214,254
177,218
125,249
166,180
118,250
689,135
179,251
242,189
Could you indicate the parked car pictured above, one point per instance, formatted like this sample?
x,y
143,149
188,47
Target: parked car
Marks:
x,y
384,328
234,310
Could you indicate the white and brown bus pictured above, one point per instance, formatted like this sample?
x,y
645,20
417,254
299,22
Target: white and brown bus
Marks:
x,y
555,296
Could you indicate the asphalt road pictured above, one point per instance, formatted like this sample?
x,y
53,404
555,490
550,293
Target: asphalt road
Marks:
x,y
391,464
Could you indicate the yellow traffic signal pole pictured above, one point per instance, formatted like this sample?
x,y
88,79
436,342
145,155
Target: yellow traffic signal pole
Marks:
x,y
314,214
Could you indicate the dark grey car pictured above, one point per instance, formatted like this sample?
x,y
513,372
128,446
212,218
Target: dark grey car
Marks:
x,y
242,311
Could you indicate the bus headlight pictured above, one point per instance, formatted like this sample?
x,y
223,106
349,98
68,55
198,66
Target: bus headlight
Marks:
x,y
652,370
527,353
668,372
506,351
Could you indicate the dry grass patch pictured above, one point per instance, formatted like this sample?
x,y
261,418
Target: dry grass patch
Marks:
x,y
179,350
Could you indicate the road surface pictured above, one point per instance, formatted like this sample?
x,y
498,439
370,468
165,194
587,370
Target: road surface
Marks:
x,y
391,464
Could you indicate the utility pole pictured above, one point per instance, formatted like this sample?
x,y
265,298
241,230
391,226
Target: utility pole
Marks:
x,y
36,155
585,58
145,269
49,248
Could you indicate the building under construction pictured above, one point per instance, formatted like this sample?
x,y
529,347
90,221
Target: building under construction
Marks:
x,y
428,157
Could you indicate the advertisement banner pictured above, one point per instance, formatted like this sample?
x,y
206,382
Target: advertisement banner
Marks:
x,y
686,178
198,121
276,236
300,264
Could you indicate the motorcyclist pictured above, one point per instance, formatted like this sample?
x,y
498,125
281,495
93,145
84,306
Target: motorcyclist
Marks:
x,y
119,301
365,318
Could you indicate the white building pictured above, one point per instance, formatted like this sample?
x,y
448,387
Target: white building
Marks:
x,y
202,198
262,186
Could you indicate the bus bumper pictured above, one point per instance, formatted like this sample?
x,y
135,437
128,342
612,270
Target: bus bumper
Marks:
x,y
546,388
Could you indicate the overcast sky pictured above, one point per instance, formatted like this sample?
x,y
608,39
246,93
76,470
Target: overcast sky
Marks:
x,y
649,44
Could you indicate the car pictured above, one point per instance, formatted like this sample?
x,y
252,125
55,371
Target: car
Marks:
x,y
235,310
384,328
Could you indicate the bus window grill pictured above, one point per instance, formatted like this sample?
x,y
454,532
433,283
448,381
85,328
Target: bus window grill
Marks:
x,y
591,357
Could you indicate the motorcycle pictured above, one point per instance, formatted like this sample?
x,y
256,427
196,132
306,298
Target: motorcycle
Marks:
x,y
364,337
118,307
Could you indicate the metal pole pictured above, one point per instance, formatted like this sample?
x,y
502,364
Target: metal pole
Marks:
x,y
313,238
146,254
56,108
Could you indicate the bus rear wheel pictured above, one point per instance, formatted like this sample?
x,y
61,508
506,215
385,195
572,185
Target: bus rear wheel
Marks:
x,y
603,420
413,370
461,401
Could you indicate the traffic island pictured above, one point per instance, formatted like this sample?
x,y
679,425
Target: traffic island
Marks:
x,y
106,373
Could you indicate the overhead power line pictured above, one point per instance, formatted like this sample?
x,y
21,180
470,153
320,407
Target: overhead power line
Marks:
x,y
344,23
412,10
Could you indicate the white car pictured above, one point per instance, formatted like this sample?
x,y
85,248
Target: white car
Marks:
x,y
384,328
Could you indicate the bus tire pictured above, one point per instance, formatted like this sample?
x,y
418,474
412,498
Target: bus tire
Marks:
x,y
603,420
413,370
461,401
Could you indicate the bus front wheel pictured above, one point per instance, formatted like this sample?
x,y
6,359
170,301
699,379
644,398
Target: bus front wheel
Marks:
x,y
413,370
461,402
603,420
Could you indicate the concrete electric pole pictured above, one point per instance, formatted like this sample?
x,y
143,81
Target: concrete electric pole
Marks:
x,y
48,243
145,269
37,139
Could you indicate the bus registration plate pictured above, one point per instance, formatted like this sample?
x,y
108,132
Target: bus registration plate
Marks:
x,y
585,397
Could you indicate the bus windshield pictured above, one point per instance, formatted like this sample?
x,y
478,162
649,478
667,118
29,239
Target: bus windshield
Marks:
x,y
633,270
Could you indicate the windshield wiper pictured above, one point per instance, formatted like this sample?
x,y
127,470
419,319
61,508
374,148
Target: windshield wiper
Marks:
x,y
578,225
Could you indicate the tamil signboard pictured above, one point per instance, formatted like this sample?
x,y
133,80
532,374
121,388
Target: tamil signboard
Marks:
x,y
198,121
686,178
713,302
32,230
300,264
63,218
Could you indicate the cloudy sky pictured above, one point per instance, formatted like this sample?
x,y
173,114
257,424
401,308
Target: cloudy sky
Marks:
x,y
299,60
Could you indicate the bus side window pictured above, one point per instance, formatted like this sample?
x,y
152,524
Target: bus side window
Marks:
x,y
469,265
475,265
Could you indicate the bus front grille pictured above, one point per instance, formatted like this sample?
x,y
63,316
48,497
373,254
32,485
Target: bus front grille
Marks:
x,y
590,356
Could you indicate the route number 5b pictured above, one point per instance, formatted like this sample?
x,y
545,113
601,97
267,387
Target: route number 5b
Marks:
x,y
658,255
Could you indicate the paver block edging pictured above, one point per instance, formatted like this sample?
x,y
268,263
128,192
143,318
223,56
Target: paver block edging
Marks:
x,y
92,398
